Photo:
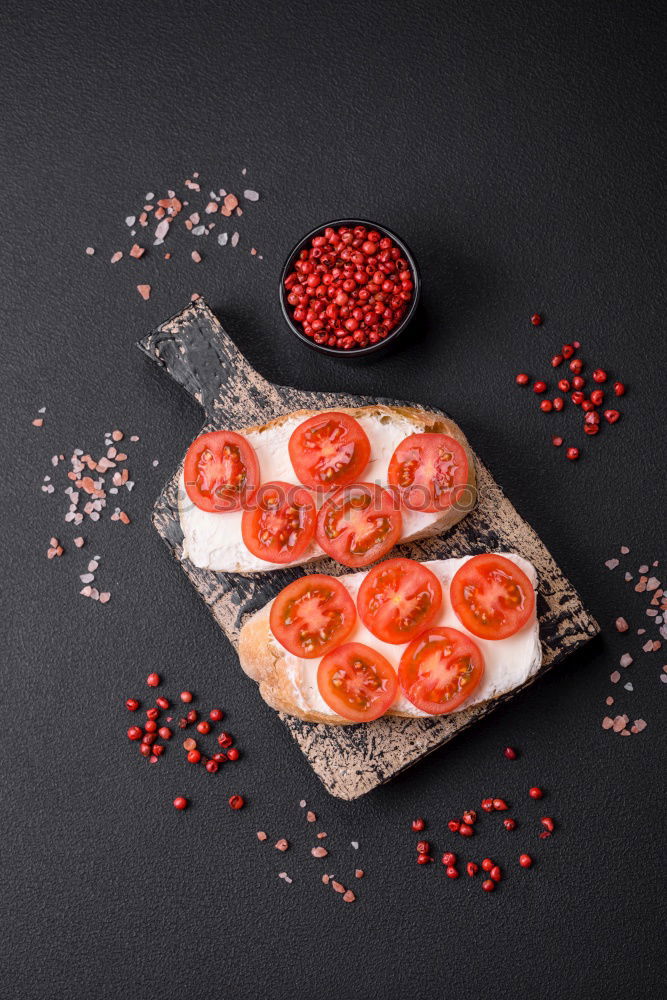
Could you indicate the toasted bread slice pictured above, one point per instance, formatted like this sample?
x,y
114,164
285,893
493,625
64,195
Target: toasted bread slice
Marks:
x,y
288,683
213,541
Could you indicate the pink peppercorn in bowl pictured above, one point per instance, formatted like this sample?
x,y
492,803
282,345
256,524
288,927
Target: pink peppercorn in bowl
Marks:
x,y
349,312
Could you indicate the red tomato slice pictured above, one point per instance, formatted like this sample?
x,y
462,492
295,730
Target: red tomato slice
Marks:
x,y
280,523
329,450
440,669
359,524
492,597
312,615
429,471
399,599
221,471
357,682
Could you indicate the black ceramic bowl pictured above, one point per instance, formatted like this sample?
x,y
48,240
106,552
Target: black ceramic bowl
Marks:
x,y
354,352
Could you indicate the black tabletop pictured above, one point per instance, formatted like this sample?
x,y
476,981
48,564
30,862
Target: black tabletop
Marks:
x,y
515,148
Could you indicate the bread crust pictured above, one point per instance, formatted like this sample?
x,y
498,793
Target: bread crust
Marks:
x,y
424,422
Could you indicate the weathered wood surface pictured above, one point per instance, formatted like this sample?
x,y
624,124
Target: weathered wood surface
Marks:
x,y
349,760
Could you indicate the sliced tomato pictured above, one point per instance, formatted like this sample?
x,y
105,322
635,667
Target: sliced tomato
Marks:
x,y
329,450
440,669
312,615
221,471
359,524
357,682
280,522
492,597
398,599
429,471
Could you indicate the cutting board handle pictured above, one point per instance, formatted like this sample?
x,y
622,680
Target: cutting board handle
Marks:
x,y
198,354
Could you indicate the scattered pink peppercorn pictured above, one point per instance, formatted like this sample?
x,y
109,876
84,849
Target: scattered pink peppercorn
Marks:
x,y
423,847
180,802
487,864
487,805
488,885
449,858
131,704
536,793
510,753
215,715
499,804
232,754
539,386
472,868
525,860
454,825
466,830
212,766
237,802
619,389
423,859
470,816
536,319
547,823
522,379
186,697
509,824
225,740
452,872
194,756
162,702
418,824
556,441
204,727
572,454
153,680
164,732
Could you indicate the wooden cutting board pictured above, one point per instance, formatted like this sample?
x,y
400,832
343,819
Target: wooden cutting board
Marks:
x,y
349,760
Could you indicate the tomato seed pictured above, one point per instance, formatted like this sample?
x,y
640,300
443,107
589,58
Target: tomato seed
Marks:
x,y
132,704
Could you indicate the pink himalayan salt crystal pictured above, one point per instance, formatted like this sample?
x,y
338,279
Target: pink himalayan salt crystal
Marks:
x,y
349,897
261,835
607,723
622,625
319,852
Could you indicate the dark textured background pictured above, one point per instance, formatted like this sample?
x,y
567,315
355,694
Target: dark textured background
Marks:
x,y
516,148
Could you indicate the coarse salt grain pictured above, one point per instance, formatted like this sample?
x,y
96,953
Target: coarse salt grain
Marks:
x,y
310,816
235,239
337,886
250,195
625,660
611,563
319,852
355,844
281,845
622,625
196,256
615,677
302,803
349,897
90,251
117,256
144,291
261,835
